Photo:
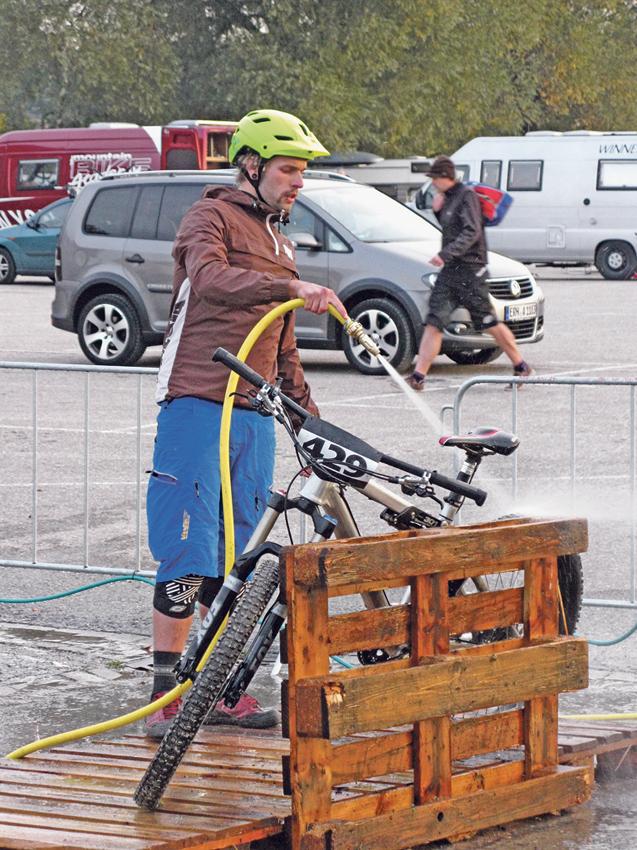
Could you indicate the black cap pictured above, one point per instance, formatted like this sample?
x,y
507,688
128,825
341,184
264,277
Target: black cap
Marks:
x,y
442,166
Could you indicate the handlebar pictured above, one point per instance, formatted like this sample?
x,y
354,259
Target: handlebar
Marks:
x,y
244,371
474,493
452,484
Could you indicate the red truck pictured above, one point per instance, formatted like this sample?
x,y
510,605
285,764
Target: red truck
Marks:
x,y
38,166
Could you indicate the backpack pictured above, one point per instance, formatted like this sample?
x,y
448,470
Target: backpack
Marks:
x,y
494,203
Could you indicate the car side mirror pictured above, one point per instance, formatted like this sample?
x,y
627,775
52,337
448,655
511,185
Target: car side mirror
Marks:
x,y
419,199
306,241
32,223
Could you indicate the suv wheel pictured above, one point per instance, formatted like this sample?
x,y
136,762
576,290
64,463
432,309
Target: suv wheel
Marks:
x,y
616,260
475,356
109,331
7,267
388,325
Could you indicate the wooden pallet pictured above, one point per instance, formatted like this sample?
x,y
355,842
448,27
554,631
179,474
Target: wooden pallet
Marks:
x,y
410,790
82,793
227,794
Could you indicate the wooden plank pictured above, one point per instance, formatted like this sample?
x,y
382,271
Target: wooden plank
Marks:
x,y
178,794
447,686
479,611
310,777
488,734
372,756
431,737
407,553
467,782
369,629
390,626
24,838
541,612
442,819
378,755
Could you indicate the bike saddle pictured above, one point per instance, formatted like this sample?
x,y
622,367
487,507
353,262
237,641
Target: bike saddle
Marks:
x,y
484,440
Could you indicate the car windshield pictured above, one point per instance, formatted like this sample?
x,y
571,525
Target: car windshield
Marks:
x,y
371,216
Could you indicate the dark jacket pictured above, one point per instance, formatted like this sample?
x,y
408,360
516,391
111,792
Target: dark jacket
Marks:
x,y
232,266
463,239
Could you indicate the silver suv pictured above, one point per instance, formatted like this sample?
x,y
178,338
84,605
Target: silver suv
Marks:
x,y
114,270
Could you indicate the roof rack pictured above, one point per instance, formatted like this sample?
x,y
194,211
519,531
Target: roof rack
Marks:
x,y
313,173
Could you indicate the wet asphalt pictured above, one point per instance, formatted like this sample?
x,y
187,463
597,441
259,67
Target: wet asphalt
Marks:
x,y
85,658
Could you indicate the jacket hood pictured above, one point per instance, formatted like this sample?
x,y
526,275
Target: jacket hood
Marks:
x,y
234,195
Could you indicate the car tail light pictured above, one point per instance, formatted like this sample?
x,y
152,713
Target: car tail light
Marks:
x,y
58,264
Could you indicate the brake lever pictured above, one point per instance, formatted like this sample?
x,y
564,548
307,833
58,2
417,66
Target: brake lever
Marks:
x,y
412,486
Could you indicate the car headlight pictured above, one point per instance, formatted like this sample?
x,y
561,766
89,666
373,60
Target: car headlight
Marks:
x,y
429,279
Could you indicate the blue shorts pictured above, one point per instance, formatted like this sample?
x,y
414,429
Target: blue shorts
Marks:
x,y
183,503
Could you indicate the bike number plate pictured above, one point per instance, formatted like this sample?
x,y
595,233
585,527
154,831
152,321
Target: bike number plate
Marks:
x,y
348,464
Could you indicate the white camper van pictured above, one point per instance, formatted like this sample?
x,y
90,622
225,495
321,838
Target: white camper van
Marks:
x,y
575,196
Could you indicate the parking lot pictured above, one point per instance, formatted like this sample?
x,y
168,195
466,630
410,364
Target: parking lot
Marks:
x,y
84,657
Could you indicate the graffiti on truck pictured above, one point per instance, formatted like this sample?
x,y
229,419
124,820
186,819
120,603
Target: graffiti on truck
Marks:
x,y
84,168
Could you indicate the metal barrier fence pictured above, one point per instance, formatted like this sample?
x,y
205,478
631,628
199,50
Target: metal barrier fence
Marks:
x,y
574,384
90,371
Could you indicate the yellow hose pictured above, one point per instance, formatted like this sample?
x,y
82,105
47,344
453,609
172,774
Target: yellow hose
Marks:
x,y
226,496
598,716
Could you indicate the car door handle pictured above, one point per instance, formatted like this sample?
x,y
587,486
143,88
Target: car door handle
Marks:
x,y
136,258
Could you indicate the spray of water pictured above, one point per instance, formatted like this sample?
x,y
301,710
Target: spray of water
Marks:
x,y
416,399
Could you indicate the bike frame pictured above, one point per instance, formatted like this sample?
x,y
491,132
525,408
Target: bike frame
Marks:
x,y
330,514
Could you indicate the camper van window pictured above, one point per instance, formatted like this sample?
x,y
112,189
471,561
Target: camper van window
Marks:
x,y
144,224
525,175
110,212
490,172
462,172
176,202
617,174
37,174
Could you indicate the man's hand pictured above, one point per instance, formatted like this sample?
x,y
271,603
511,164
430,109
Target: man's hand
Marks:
x,y
438,201
437,261
316,297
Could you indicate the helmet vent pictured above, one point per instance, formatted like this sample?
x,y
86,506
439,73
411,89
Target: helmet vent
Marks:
x,y
304,128
261,120
284,138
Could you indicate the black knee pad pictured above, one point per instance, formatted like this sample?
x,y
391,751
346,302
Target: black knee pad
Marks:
x,y
176,598
210,587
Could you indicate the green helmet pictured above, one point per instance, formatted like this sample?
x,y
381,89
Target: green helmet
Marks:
x,y
273,133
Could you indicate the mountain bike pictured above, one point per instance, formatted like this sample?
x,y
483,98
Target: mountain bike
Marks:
x,y
333,460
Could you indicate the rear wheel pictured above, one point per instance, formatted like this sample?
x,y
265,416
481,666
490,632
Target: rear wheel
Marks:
x,y
475,357
570,579
209,683
7,267
389,327
616,260
110,332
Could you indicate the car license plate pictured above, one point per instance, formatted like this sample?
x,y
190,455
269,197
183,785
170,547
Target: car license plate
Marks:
x,y
519,312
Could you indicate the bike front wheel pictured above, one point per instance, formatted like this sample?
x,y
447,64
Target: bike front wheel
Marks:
x,y
209,684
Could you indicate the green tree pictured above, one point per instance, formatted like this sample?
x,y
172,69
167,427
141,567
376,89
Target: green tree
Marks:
x,y
86,61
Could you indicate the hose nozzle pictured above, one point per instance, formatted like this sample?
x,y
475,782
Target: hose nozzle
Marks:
x,y
357,332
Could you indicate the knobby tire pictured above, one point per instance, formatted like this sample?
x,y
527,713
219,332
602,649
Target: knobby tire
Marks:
x,y
208,685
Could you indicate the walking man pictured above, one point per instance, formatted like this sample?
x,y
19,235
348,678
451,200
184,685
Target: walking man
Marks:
x,y
462,281
232,266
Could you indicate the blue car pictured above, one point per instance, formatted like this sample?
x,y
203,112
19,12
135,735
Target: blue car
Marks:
x,y
29,248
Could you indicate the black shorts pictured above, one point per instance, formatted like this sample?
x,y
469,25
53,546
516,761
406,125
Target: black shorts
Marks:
x,y
461,286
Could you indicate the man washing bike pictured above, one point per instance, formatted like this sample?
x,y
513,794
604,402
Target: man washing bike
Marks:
x,y
232,266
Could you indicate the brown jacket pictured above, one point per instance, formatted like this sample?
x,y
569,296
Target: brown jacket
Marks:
x,y
232,266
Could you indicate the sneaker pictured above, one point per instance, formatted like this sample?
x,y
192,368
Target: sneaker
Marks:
x,y
157,723
523,370
416,381
247,713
